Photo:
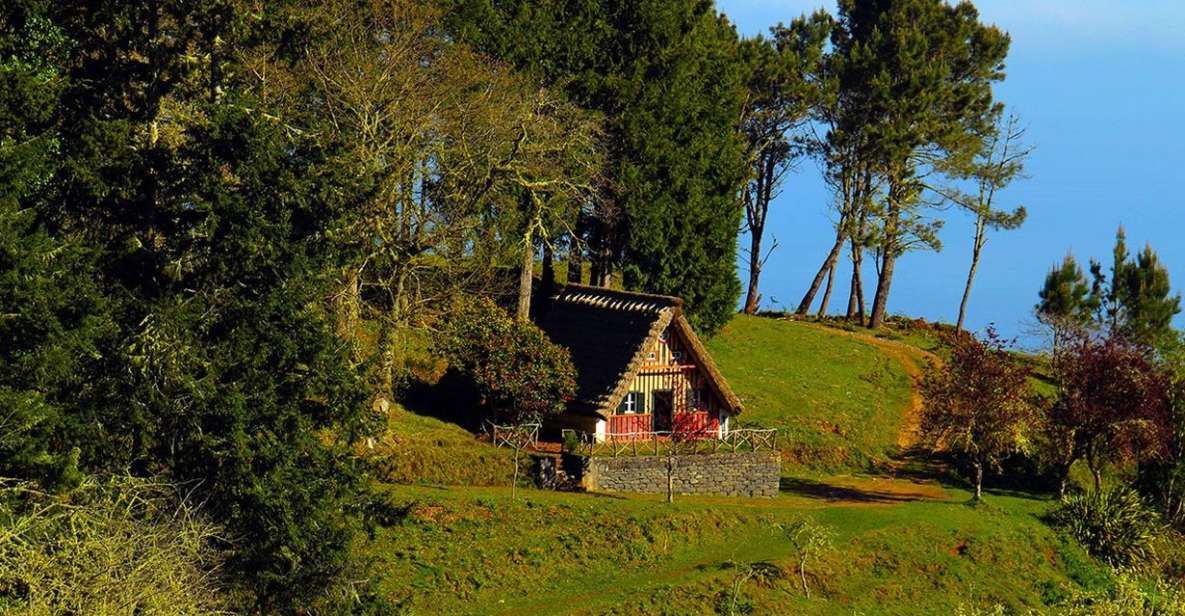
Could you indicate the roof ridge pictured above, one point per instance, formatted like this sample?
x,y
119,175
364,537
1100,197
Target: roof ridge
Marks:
x,y
619,294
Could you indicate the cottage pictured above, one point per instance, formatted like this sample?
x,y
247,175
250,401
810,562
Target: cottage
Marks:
x,y
641,369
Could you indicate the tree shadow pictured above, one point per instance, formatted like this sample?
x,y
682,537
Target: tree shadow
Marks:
x,y
452,399
835,492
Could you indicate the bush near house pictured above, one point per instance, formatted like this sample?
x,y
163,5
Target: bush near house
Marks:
x,y
521,375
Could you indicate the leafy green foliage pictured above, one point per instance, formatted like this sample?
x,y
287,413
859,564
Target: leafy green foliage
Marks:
x,y
160,271
669,79
1113,525
520,374
915,78
1144,294
1136,302
54,319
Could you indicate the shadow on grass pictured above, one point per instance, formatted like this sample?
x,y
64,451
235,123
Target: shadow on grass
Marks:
x,y
823,490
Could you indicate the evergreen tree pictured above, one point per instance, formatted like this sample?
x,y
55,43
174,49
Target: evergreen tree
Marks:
x,y
920,75
151,205
1145,294
1136,301
669,79
53,317
1067,302
784,89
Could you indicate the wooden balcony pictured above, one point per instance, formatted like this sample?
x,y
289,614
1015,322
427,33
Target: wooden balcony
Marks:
x,y
695,424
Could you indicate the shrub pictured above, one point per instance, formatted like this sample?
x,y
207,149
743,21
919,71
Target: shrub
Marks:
x,y
979,405
122,546
519,373
1115,525
1130,598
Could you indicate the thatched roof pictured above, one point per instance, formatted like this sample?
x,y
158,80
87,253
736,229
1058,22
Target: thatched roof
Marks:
x,y
608,333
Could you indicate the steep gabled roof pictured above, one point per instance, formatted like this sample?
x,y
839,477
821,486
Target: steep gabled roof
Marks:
x,y
608,333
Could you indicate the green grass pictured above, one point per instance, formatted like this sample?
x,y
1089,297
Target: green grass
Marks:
x,y
475,551
838,402
420,449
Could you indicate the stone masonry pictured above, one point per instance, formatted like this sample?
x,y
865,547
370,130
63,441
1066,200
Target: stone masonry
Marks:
x,y
728,474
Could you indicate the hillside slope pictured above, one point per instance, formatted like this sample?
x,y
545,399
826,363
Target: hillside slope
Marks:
x,y
900,546
840,401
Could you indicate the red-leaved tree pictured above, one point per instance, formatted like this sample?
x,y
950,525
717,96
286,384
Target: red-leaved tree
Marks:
x,y
1113,404
978,406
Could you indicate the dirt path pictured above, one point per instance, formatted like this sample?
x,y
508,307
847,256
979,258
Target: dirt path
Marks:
x,y
912,360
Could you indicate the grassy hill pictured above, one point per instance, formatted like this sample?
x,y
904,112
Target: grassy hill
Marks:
x,y
416,449
903,544
838,401
477,552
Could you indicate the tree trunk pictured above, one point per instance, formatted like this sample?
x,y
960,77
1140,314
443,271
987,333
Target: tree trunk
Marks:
x,y
978,482
547,284
575,262
805,305
856,294
524,279
670,479
827,290
753,298
883,282
975,252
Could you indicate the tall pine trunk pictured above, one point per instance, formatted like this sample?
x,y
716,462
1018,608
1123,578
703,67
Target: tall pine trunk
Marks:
x,y
883,283
976,249
856,308
827,290
805,305
889,252
753,297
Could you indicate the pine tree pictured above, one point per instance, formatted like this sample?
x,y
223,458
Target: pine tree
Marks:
x,y
1145,294
53,317
669,79
185,225
1067,302
920,75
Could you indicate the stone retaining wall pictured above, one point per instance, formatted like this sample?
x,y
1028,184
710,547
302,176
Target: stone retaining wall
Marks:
x,y
728,474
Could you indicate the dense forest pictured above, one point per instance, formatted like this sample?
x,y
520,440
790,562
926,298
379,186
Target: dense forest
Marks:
x,y
229,229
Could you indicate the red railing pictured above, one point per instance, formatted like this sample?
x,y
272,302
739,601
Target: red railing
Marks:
x,y
629,424
692,425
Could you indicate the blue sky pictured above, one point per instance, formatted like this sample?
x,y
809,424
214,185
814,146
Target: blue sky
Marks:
x,y
1100,86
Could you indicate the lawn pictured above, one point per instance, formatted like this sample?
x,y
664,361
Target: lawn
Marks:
x,y
420,449
838,402
475,551
899,547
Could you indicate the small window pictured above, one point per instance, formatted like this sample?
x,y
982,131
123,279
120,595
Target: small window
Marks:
x,y
676,355
665,335
697,399
650,356
631,404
